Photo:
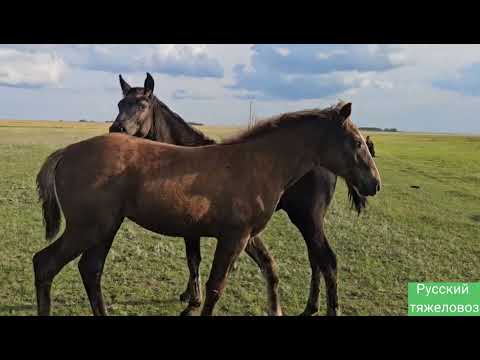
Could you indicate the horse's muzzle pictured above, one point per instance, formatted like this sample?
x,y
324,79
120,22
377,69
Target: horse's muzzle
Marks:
x,y
369,189
374,187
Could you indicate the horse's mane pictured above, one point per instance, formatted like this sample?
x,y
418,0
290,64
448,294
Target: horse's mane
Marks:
x,y
285,120
179,130
357,201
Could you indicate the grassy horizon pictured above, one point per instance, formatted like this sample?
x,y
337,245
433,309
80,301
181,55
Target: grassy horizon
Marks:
x,y
206,127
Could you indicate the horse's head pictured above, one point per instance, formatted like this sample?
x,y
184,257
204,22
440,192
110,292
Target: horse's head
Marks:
x,y
135,115
348,154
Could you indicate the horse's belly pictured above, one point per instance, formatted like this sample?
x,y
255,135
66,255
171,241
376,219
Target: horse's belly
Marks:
x,y
173,215
177,229
176,208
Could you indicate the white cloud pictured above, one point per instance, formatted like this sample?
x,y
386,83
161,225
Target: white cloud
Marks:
x,y
327,55
398,58
382,84
314,71
283,51
174,60
193,60
372,49
30,69
183,94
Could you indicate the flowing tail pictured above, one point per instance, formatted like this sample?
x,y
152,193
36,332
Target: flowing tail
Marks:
x,y
47,194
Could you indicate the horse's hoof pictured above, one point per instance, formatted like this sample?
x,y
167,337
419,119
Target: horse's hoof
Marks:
x,y
185,296
188,312
305,314
334,312
276,313
308,312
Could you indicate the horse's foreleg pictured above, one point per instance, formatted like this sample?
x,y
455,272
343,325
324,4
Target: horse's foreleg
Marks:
x,y
193,293
322,261
262,257
227,250
322,258
328,266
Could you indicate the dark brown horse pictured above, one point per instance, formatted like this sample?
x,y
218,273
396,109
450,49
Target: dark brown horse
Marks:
x,y
306,202
228,191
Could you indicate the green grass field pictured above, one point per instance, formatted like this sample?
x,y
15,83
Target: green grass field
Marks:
x,y
426,234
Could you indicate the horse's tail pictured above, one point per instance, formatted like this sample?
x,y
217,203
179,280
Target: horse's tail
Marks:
x,y
47,194
358,201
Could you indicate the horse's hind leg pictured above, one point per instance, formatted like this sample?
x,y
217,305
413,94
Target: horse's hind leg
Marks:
x,y
91,268
193,293
48,262
328,266
257,250
227,251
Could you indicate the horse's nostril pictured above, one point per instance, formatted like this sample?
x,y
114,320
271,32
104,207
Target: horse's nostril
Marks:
x,y
378,186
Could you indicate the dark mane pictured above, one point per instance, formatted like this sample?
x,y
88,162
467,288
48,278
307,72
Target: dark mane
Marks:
x,y
280,121
357,201
169,127
181,132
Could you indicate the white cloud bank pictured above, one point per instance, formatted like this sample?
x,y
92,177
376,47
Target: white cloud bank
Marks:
x,y
31,69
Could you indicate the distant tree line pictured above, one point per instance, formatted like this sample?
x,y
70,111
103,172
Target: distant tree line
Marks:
x,y
86,121
378,129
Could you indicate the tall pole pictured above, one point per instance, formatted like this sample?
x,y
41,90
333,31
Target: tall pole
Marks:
x,y
253,115
250,114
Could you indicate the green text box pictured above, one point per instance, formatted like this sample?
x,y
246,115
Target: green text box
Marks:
x,y
443,299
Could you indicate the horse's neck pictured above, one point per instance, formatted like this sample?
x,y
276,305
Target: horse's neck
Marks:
x,y
171,128
185,135
291,153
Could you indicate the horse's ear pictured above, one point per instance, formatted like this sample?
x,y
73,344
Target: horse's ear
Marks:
x,y
345,112
125,87
149,85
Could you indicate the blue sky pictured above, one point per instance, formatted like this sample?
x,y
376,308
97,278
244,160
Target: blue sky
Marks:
x,y
410,87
